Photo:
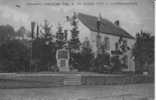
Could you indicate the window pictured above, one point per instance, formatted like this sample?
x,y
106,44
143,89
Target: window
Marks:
x,y
107,43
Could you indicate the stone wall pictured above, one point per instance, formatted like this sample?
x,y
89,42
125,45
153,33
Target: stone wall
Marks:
x,y
44,81
116,80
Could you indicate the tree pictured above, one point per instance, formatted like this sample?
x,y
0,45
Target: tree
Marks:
x,y
74,43
43,49
43,55
115,64
119,59
46,30
7,32
87,57
21,33
14,56
101,60
83,61
60,38
143,50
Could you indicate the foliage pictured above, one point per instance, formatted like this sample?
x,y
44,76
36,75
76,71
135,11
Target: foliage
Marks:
x,y
115,64
74,43
21,32
143,50
74,60
7,32
100,61
43,50
14,56
82,61
119,58
60,39
43,54
86,60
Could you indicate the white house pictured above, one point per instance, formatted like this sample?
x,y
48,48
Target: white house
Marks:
x,y
110,34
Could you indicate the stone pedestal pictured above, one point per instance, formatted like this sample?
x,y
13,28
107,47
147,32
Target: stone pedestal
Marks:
x,y
63,65
62,56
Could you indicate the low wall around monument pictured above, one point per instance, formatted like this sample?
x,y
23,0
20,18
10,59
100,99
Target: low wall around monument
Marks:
x,y
31,81
54,80
115,79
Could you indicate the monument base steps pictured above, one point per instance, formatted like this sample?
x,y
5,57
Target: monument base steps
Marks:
x,y
72,79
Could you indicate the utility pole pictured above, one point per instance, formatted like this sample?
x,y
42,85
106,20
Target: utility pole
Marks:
x,y
98,38
32,36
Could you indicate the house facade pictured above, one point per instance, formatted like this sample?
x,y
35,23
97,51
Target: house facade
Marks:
x,y
111,35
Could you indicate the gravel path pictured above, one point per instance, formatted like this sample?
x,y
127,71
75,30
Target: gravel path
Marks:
x,y
116,92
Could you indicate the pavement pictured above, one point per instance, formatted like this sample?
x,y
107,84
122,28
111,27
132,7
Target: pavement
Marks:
x,y
114,92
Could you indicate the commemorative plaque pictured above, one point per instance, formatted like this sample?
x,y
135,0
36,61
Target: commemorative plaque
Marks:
x,y
62,57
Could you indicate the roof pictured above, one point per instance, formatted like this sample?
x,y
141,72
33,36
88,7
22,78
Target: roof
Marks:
x,y
106,27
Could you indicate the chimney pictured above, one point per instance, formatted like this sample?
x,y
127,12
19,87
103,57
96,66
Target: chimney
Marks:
x,y
98,22
32,29
117,23
37,31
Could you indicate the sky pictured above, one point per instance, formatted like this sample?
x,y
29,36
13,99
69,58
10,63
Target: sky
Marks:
x,y
134,15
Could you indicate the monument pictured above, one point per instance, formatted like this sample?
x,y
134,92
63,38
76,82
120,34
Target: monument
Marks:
x,y
62,56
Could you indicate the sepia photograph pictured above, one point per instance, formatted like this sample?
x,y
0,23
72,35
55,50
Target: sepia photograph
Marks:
x,y
77,50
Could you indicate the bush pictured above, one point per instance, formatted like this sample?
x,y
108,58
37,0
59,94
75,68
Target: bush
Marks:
x,y
86,60
14,56
143,51
75,60
43,55
116,64
82,61
100,61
